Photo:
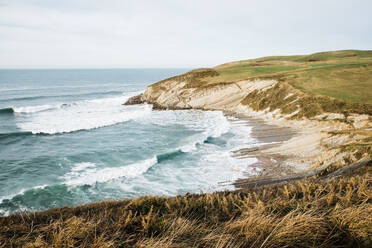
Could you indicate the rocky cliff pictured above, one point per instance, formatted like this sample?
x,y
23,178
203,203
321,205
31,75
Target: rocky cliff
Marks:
x,y
329,130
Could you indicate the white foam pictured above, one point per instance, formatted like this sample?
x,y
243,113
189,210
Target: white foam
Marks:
x,y
190,147
4,213
40,187
83,115
237,165
34,109
9,197
21,192
91,176
208,123
217,126
242,135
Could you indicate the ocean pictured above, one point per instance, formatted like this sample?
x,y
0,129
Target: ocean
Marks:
x,y
66,139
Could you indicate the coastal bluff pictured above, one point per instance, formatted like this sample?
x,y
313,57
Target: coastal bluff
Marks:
x,y
332,132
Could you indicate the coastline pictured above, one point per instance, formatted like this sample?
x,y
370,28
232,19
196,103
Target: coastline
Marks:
x,y
309,143
269,136
314,189
286,150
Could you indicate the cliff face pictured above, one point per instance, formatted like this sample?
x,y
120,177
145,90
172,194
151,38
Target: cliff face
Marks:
x,y
227,96
203,89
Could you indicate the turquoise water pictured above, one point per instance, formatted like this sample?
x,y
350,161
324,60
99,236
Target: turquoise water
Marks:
x,y
66,139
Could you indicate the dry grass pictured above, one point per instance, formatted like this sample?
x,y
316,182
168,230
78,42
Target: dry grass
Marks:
x,y
313,213
194,78
303,105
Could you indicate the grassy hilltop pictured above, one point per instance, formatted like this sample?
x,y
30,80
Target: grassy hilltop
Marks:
x,y
331,209
345,75
327,82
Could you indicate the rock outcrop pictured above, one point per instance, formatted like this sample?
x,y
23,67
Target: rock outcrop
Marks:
x,y
176,95
134,100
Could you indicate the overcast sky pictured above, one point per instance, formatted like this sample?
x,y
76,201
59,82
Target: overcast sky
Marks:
x,y
174,33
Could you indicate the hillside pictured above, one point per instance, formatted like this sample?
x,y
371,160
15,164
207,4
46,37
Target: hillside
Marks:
x,y
345,75
318,194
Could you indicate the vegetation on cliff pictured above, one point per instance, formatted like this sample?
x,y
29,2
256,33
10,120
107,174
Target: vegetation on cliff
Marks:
x,y
336,82
345,75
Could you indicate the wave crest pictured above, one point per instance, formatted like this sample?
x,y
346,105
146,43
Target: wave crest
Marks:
x,y
168,155
82,115
34,109
4,136
6,111
93,175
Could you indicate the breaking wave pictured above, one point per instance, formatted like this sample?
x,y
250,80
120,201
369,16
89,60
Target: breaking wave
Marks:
x,y
6,111
82,115
88,174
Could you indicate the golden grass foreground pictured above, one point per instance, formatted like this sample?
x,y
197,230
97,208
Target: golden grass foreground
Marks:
x,y
317,212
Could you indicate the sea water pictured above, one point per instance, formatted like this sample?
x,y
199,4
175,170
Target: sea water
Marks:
x,y
66,139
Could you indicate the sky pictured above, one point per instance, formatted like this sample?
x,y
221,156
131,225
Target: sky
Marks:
x,y
174,33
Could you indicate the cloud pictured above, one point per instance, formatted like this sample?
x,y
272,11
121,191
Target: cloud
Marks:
x,y
69,34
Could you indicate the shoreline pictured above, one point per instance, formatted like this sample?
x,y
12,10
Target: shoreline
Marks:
x,y
307,149
296,149
314,144
286,149
268,136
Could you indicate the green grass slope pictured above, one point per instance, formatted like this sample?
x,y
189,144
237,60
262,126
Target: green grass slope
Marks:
x,y
345,75
327,82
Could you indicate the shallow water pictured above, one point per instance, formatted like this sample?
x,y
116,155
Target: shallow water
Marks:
x,y
66,139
